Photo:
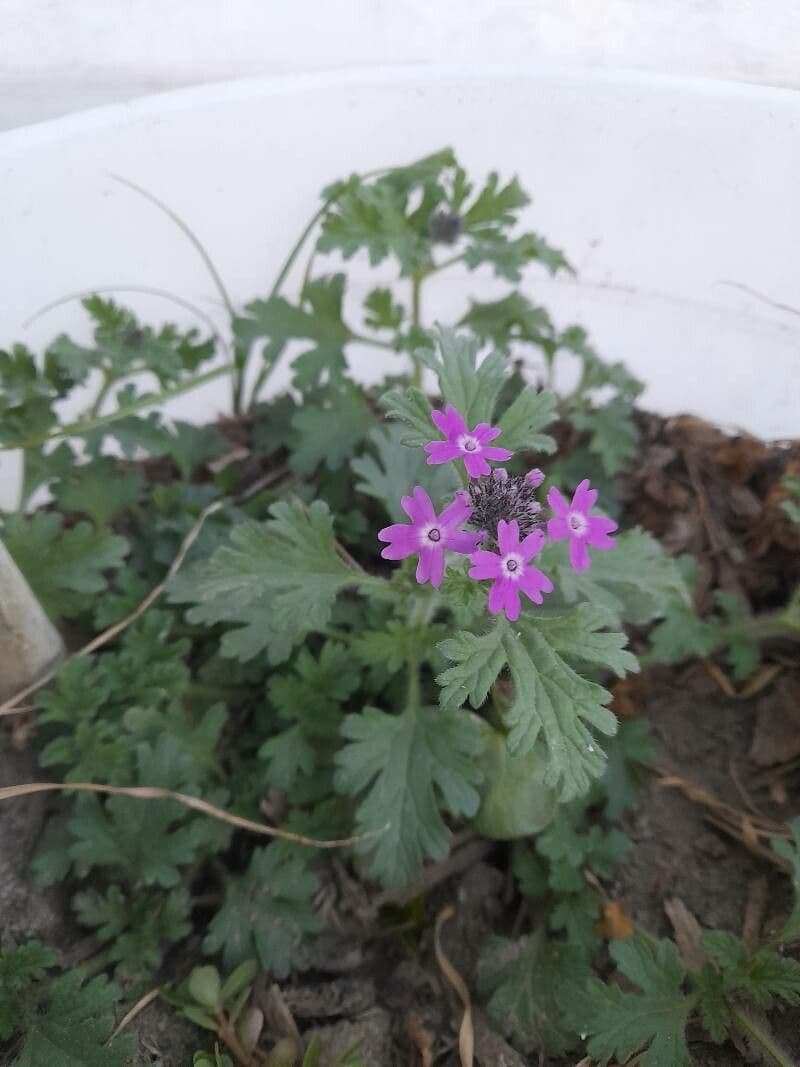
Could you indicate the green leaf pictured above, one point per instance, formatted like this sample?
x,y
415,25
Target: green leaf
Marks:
x,y
406,768
471,387
523,422
654,1018
478,659
382,312
524,981
579,636
329,431
513,318
100,489
570,847
612,432
267,912
496,204
275,582
514,800
66,569
394,471
73,1026
20,968
636,583
761,975
205,986
789,850
713,1009
275,322
412,409
135,927
552,703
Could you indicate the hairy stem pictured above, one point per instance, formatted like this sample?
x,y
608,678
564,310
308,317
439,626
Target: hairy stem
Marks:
x,y
416,287
750,1028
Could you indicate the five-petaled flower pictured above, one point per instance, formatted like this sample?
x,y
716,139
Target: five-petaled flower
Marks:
x,y
470,445
429,535
573,520
511,570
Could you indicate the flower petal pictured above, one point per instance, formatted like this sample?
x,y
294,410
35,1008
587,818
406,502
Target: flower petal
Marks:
x,y
585,497
485,433
532,545
535,582
485,565
404,541
476,465
497,595
599,529
508,536
579,554
435,561
426,508
557,502
496,453
441,451
423,568
557,529
458,511
465,541
450,422
512,602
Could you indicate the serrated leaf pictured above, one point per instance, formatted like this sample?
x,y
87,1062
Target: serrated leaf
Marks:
x,y
654,1018
267,912
411,408
612,432
524,420
382,311
274,582
552,704
478,659
635,583
580,637
472,387
64,568
570,846
630,753
789,850
329,431
73,1028
760,975
20,968
524,981
100,489
406,768
714,1012
394,470
513,318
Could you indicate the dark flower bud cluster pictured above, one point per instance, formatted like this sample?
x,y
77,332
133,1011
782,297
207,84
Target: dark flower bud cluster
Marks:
x,y
499,496
446,227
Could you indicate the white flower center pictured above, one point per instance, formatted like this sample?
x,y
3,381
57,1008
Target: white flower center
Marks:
x,y
578,523
468,443
513,566
430,535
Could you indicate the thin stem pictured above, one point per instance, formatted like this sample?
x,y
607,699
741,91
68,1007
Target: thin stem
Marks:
x,y
188,232
416,286
108,382
376,342
147,290
436,268
751,1028
75,429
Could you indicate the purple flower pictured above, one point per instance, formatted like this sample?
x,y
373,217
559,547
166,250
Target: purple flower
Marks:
x,y
470,445
574,521
511,570
429,535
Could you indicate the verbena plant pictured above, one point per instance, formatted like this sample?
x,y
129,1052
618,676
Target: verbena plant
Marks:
x,y
290,661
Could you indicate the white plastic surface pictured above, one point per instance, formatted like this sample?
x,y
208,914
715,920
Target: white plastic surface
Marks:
x,y
661,192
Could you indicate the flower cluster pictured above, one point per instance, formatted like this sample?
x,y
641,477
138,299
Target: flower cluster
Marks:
x,y
507,524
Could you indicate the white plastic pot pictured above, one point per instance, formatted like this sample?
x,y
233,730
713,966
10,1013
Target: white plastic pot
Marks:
x,y
663,192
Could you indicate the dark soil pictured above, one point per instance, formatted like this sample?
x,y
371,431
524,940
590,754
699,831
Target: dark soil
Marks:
x,y
377,980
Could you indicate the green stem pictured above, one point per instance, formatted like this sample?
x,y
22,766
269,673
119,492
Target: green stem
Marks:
x,y
416,286
108,382
22,495
82,426
188,232
436,268
751,1029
